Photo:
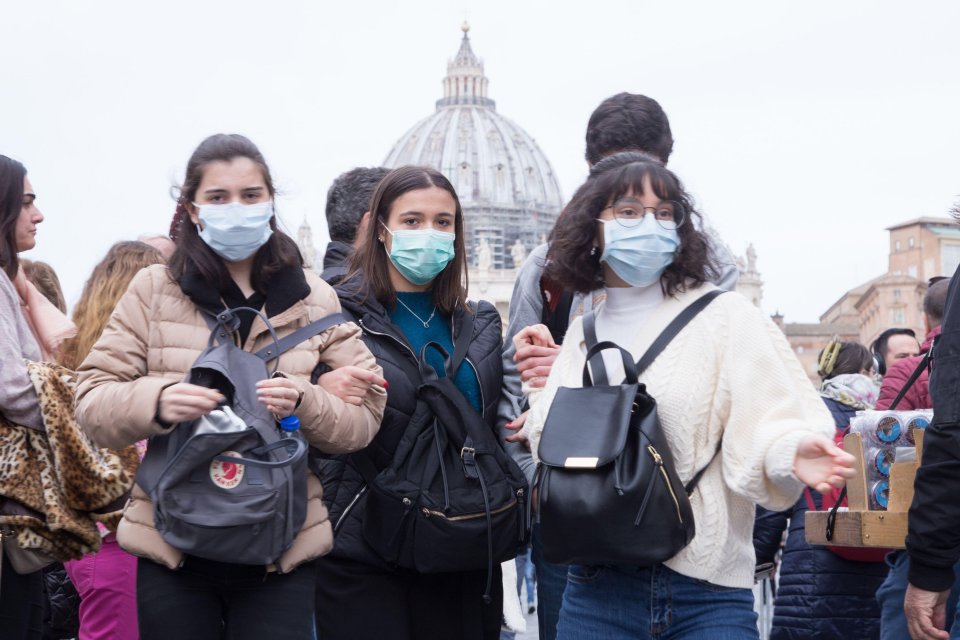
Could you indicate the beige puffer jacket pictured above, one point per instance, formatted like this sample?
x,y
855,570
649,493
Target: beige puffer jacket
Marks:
x,y
153,337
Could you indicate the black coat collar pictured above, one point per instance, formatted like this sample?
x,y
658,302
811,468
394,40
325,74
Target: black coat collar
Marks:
x,y
285,288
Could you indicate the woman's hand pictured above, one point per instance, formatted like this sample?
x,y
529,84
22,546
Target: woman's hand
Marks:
x,y
350,383
536,352
185,402
517,425
821,464
280,396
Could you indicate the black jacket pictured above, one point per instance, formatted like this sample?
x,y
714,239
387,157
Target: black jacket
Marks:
x,y
336,262
820,594
343,486
933,540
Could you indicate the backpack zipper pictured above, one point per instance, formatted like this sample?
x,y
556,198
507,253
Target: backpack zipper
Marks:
x,y
349,508
659,462
429,513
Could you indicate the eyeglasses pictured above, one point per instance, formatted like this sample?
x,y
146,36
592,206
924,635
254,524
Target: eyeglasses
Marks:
x,y
629,213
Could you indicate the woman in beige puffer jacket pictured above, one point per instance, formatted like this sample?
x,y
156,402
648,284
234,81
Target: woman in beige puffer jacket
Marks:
x,y
130,387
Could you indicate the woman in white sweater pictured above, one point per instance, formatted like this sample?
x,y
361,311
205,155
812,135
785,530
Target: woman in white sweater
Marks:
x,y
728,376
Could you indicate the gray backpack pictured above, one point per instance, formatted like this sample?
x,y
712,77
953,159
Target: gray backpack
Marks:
x,y
229,486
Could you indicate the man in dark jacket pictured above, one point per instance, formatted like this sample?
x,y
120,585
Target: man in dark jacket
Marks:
x,y
933,539
891,593
917,396
348,203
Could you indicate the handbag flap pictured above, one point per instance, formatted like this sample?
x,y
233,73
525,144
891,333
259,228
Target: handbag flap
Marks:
x,y
587,427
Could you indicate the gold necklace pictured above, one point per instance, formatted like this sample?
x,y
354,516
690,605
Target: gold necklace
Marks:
x,y
425,323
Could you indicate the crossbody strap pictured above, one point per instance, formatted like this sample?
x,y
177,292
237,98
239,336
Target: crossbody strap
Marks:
x,y
302,334
597,369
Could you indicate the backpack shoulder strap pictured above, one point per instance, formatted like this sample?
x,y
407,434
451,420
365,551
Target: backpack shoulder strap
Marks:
x,y
597,367
300,335
923,364
463,339
675,326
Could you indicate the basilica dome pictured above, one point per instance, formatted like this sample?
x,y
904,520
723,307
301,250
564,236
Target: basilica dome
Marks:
x,y
508,190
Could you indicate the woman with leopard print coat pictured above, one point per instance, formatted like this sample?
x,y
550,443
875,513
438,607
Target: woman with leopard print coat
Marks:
x,y
31,328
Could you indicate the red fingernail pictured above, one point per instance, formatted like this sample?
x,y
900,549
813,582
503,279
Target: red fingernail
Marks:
x,y
386,385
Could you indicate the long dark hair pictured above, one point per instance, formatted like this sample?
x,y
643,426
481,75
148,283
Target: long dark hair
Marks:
x,y
572,260
279,252
370,259
11,203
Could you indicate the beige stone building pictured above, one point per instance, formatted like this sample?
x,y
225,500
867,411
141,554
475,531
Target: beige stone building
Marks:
x,y
920,249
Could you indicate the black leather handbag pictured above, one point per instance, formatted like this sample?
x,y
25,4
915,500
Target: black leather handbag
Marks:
x,y
608,490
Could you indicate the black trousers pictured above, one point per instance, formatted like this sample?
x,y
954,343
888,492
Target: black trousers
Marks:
x,y
21,604
208,600
356,601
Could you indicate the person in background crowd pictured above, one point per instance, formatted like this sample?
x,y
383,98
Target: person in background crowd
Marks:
x,y
348,210
45,279
31,328
106,580
891,593
161,243
229,253
820,594
407,287
892,345
730,375
623,128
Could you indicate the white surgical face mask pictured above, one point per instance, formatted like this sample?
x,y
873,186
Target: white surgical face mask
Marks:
x,y
235,231
639,255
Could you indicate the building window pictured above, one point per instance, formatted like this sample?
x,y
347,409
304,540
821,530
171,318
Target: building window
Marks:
x,y
896,294
896,246
910,242
898,316
799,351
912,271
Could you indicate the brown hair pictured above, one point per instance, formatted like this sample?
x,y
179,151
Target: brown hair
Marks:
x,y
102,291
11,203
280,250
572,260
45,279
369,262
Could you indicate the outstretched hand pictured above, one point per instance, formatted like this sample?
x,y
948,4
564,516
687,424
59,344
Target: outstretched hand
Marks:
x,y
821,464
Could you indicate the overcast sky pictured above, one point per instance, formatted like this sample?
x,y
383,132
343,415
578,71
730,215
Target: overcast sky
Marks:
x,y
803,127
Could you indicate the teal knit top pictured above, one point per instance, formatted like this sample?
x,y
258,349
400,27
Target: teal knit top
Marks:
x,y
410,321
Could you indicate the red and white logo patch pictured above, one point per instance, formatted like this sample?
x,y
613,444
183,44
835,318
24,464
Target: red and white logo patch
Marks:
x,y
226,475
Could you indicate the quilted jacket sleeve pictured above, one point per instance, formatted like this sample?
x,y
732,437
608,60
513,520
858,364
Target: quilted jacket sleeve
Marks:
x,y
329,423
116,399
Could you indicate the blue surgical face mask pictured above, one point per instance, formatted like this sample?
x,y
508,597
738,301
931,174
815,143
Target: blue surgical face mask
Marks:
x,y
235,231
421,254
640,254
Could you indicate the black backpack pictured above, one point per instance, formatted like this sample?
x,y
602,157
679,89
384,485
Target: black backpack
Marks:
x,y
451,499
608,489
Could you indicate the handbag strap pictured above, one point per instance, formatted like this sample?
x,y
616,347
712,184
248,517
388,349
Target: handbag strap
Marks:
x,y
302,334
666,336
676,325
923,364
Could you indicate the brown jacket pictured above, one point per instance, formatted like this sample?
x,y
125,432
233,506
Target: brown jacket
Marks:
x,y
150,343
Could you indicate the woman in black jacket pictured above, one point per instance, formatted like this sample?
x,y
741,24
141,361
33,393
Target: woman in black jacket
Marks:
x,y
406,287
820,594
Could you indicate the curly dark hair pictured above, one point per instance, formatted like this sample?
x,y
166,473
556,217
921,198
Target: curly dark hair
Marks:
x,y
572,261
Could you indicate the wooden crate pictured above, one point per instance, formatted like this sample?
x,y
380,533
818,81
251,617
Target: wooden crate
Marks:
x,y
857,525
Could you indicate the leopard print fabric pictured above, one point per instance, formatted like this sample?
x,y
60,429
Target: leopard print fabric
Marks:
x,y
56,485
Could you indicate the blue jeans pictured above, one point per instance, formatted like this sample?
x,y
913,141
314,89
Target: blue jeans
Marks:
x,y
551,581
654,603
893,622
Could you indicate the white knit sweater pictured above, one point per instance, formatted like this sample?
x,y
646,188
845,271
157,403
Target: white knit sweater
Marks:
x,y
730,373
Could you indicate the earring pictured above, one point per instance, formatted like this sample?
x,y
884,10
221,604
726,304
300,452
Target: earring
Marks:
x,y
593,250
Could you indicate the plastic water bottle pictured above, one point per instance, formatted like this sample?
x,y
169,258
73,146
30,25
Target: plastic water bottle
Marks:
x,y
290,426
